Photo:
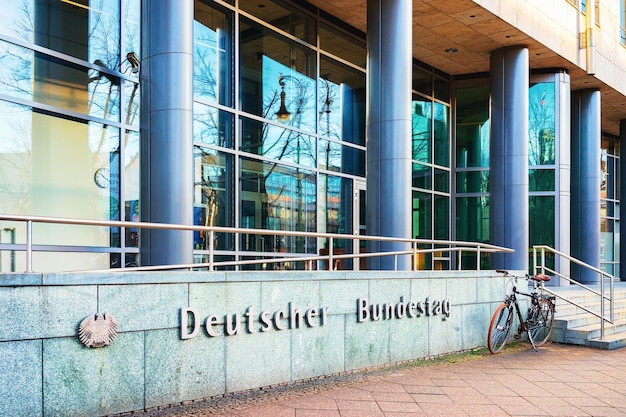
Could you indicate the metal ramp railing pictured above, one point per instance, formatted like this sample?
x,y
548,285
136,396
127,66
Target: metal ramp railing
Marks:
x,y
539,266
414,247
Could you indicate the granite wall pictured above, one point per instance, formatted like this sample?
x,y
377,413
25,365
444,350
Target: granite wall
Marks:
x,y
190,335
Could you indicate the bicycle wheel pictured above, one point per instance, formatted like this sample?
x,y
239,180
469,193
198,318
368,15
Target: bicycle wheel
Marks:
x,y
499,328
539,321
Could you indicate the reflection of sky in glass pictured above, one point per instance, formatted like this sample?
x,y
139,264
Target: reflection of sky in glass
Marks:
x,y
541,124
104,32
16,70
132,18
299,94
16,128
331,101
205,61
421,127
14,21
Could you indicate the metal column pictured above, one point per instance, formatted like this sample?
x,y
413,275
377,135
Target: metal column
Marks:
x,y
585,225
508,179
389,44
166,77
622,223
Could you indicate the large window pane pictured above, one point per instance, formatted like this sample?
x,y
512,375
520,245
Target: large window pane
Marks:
x,y
472,127
213,57
442,134
421,129
541,124
336,157
44,79
345,46
541,220
472,225
472,181
84,29
423,81
442,89
341,102
277,197
277,77
278,143
541,180
473,219
58,167
284,16
212,126
131,104
442,217
132,29
214,203
422,176
422,215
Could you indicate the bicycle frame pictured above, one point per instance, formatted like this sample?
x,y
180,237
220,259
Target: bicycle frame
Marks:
x,y
523,322
537,321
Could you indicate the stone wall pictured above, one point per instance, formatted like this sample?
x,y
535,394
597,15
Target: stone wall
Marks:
x,y
263,328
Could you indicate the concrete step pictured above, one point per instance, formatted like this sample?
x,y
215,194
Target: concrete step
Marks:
x,y
610,342
574,325
564,308
565,332
583,318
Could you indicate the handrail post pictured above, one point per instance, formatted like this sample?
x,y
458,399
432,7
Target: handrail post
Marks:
x,y
478,258
612,290
330,253
29,246
543,260
414,263
211,249
395,262
602,317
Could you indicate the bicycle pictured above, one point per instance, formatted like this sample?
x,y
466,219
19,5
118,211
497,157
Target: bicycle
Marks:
x,y
539,318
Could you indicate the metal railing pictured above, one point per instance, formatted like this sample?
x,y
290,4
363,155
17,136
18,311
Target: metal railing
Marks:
x,y
539,266
435,247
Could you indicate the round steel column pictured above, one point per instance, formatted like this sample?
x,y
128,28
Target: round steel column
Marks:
x,y
508,179
622,223
389,42
585,225
166,137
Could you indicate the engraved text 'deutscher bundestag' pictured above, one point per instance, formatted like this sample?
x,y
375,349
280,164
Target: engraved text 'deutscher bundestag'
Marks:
x,y
98,330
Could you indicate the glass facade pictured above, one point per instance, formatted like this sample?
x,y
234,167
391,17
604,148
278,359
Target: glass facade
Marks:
x,y
610,205
69,106
431,129
279,129
279,121
542,152
472,166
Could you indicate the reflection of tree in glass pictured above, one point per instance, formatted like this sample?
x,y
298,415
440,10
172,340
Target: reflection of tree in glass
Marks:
x,y
541,124
541,151
330,112
421,131
205,71
16,163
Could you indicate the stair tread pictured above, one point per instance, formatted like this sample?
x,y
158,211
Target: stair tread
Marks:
x,y
611,337
616,322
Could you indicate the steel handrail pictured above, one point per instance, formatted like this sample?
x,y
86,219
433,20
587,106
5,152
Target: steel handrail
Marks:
x,y
539,265
446,245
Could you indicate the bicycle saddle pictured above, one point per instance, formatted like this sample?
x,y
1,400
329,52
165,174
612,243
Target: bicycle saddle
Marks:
x,y
541,277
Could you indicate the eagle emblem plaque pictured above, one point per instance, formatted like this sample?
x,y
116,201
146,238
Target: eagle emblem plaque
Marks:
x,y
98,330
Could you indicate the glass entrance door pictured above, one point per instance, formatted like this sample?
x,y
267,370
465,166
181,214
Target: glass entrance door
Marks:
x,y
359,223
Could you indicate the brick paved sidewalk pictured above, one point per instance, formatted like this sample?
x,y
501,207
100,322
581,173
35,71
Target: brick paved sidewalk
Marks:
x,y
557,380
